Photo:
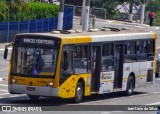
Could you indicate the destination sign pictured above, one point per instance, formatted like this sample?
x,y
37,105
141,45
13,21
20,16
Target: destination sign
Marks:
x,y
38,41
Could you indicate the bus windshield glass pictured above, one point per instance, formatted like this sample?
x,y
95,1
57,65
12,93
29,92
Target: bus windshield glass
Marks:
x,y
34,60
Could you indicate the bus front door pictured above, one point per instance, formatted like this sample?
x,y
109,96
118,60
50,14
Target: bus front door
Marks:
x,y
119,56
96,68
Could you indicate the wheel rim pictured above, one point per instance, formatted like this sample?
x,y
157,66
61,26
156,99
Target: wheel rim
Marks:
x,y
79,93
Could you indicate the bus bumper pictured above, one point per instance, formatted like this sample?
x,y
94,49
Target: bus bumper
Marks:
x,y
35,90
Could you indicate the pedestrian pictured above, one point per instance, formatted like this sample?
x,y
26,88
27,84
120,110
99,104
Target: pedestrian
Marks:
x,y
151,17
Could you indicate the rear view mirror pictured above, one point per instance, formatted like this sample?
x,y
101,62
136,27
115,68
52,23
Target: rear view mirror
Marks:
x,y
5,53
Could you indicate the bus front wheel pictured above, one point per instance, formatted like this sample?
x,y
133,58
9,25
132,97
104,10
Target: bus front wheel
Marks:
x,y
130,86
79,92
33,97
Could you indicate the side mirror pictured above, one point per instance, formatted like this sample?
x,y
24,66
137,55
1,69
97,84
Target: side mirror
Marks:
x,y
5,53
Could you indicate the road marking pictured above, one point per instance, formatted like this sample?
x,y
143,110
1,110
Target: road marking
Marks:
x,y
12,96
157,103
110,112
3,49
1,79
120,98
158,79
4,93
3,85
3,90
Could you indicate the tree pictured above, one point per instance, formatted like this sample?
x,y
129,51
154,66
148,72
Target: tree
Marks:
x,y
153,5
3,9
13,6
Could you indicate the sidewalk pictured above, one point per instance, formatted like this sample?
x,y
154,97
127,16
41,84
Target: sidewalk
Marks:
x,y
100,23
113,23
2,45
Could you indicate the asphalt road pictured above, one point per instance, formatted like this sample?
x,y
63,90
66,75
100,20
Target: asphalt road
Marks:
x,y
149,95
143,96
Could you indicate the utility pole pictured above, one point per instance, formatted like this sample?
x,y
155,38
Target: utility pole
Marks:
x,y
85,20
60,15
142,11
82,13
130,11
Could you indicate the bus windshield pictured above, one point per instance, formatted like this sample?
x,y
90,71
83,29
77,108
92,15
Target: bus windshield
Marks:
x,y
34,61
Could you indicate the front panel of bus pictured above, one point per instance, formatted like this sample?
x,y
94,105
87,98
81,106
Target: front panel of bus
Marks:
x,y
33,65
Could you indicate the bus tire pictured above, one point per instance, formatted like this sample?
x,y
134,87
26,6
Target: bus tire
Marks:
x,y
79,93
130,86
33,97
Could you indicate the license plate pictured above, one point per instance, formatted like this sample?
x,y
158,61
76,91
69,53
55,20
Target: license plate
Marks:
x,y
31,88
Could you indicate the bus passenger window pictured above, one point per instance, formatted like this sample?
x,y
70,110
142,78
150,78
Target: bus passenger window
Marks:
x,y
107,57
82,59
66,65
107,64
141,51
130,51
67,61
150,50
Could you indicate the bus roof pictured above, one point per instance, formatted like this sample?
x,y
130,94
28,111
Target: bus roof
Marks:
x,y
98,36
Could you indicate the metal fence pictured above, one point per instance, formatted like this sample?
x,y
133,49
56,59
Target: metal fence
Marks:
x,y
9,29
98,12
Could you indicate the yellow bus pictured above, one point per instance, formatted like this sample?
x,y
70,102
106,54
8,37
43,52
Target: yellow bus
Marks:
x,y
74,65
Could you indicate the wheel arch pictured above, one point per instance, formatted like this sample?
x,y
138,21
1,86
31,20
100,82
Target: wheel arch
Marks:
x,y
83,83
134,78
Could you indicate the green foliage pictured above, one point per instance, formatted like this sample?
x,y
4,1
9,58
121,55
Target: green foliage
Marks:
x,y
29,11
3,12
109,5
40,10
157,18
155,6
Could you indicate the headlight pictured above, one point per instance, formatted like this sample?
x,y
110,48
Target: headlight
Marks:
x,y
51,84
13,81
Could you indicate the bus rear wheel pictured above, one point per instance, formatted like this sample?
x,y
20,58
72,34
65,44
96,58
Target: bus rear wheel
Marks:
x,y
130,86
33,97
79,92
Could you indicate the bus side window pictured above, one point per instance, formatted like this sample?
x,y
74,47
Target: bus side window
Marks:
x,y
150,50
66,65
141,51
82,59
107,57
130,51
65,61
